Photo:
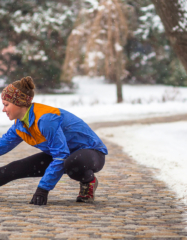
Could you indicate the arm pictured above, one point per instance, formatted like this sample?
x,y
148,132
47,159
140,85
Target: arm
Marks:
x,y
9,140
50,127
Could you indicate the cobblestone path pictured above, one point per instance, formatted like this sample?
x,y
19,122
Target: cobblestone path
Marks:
x,y
130,204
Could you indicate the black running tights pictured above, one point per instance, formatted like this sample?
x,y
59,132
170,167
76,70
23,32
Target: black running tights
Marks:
x,y
80,166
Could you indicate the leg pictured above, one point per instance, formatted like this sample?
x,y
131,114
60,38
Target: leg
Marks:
x,y
32,166
82,164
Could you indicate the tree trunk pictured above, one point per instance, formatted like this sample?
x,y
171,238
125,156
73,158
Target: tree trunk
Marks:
x,y
119,90
118,72
173,16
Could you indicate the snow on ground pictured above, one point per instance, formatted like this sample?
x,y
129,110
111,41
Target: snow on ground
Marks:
x,y
95,101
160,146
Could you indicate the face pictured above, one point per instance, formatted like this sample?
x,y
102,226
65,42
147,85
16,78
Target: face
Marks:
x,y
12,111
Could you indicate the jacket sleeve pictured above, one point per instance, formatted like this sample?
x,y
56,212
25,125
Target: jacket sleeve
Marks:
x,y
9,140
50,127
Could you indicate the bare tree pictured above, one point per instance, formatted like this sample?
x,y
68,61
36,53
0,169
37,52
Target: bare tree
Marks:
x,y
75,45
97,41
173,14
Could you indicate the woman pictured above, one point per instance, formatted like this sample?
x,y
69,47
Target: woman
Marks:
x,y
68,144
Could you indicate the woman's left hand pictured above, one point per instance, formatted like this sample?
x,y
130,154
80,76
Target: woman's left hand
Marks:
x,y
40,197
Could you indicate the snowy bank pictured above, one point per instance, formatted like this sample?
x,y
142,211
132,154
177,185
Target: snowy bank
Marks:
x,y
161,146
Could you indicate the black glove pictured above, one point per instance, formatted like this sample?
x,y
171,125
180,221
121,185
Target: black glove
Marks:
x,y
40,197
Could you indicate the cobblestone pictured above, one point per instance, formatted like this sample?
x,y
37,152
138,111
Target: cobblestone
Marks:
x,y
130,204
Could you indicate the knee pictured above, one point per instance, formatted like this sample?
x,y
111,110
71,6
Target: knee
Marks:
x,y
73,168
72,163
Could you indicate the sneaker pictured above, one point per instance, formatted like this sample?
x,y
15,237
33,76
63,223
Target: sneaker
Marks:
x,y
87,191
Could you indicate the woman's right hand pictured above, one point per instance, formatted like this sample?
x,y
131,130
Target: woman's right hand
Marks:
x,y
40,197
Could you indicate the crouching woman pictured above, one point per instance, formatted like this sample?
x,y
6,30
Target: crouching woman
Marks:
x,y
67,143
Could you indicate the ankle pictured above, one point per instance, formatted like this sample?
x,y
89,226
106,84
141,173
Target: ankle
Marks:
x,y
92,181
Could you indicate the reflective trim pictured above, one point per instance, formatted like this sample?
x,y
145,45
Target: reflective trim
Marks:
x,y
59,159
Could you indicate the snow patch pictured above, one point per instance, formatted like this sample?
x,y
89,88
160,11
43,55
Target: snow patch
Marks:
x,y
118,47
92,56
76,32
159,146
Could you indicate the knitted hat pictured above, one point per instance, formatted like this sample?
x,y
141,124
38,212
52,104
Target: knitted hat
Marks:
x,y
20,92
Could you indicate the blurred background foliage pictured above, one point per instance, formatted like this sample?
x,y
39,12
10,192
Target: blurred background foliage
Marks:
x,y
150,57
37,32
34,37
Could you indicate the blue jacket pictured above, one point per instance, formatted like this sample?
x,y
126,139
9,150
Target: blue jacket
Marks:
x,y
56,132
